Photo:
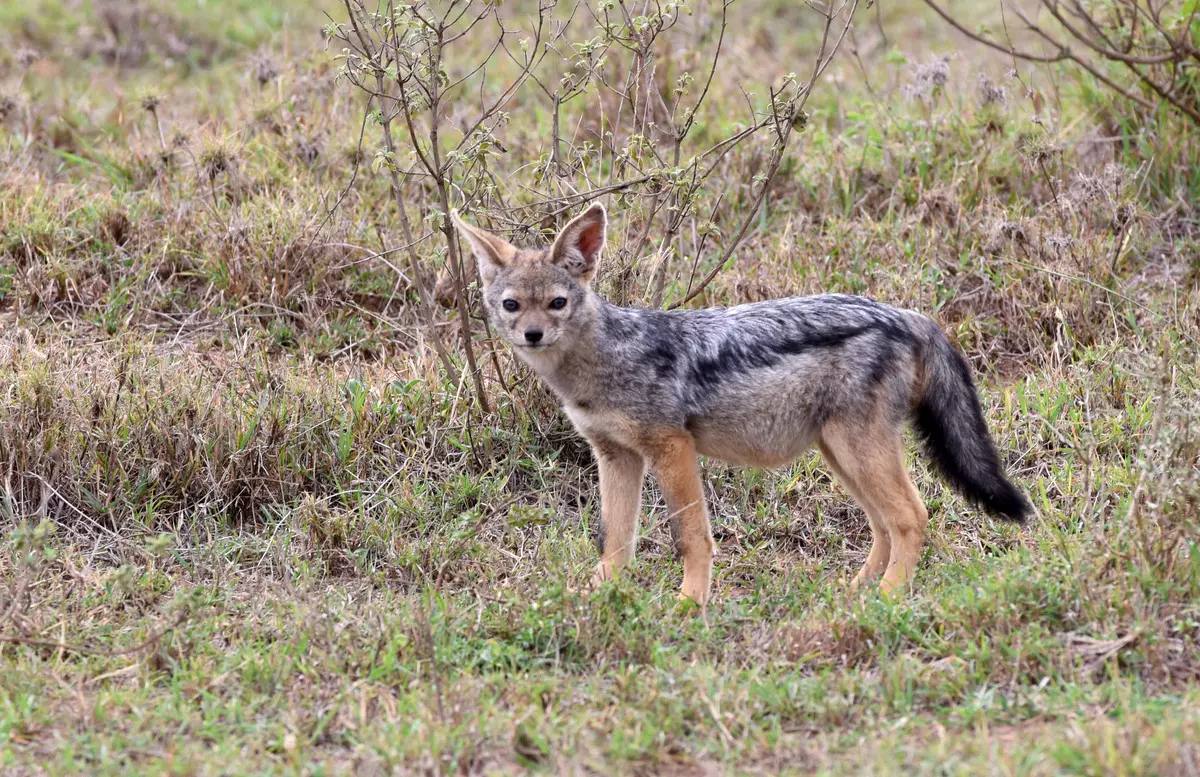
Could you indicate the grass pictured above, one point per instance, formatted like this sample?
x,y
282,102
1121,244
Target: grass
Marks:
x,y
251,526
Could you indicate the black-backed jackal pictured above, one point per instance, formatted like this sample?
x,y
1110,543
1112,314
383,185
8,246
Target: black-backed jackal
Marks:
x,y
754,385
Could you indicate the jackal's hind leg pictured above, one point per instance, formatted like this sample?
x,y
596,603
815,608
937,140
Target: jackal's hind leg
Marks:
x,y
873,458
907,527
881,545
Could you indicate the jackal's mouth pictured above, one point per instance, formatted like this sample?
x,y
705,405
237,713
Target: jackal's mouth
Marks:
x,y
539,347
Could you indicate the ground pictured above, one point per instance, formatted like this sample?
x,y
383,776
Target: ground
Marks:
x,y
253,524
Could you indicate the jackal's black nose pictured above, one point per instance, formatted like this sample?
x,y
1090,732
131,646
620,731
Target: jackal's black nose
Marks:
x,y
533,335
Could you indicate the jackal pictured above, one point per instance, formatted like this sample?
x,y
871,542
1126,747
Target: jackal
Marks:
x,y
754,385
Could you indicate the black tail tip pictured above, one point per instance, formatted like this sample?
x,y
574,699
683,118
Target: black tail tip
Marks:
x,y
1006,502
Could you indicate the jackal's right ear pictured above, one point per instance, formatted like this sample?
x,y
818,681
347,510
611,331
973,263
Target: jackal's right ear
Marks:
x,y
577,248
492,252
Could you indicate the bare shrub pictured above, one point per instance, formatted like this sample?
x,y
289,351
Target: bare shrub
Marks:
x,y
627,122
1152,46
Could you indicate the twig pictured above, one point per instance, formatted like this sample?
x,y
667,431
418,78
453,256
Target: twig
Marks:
x,y
154,637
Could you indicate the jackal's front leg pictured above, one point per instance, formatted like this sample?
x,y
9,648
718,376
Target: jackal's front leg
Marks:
x,y
679,475
621,475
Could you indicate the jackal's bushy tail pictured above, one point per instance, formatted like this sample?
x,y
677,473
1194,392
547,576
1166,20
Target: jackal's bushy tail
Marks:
x,y
950,421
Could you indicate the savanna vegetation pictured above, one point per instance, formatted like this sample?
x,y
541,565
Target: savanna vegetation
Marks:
x,y
273,500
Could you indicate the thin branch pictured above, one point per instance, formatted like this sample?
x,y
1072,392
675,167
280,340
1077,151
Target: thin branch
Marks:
x,y
154,637
784,130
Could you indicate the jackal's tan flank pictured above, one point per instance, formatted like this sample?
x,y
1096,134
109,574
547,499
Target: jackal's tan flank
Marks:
x,y
755,385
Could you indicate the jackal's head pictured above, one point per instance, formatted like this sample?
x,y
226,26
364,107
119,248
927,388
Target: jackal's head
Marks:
x,y
537,298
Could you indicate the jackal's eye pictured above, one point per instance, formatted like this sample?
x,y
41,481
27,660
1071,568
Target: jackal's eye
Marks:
x,y
511,305
558,303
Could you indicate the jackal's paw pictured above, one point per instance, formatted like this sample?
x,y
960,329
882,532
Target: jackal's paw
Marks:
x,y
896,584
892,591
603,573
865,576
694,594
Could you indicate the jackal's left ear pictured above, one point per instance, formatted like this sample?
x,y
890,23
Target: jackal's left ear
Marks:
x,y
492,252
577,248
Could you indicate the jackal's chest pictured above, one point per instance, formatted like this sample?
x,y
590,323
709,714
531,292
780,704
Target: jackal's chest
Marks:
x,y
605,424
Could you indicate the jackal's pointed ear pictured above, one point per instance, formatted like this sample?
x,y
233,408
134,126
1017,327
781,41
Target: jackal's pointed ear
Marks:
x,y
492,252
577,248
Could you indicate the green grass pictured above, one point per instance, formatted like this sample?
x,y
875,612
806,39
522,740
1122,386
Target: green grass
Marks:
x,y
251,526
